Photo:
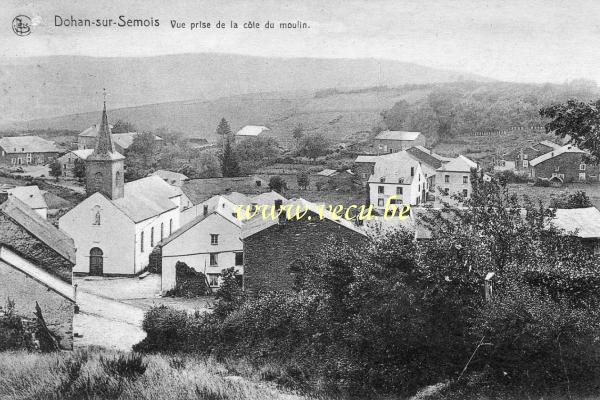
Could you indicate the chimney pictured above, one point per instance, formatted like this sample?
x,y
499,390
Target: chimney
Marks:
x,y
205,210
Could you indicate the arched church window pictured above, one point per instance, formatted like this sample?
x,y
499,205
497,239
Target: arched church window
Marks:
x,y
98,180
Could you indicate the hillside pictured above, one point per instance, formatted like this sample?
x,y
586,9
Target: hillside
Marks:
x,y
43,87
340,115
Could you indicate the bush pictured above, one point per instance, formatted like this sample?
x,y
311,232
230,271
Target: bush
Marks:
x,y
126,366
13,335
189,282
166,330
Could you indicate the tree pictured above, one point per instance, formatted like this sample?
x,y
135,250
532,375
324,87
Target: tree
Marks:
x,y
55,169
122,127
141,156
79,169
229,163
298,133
277,183
571,200
254,153
577,120
314,146
303,180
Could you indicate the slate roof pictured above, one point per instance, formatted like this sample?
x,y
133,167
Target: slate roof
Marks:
x,y
146,198
31,221
366,159
586,221
458,164
83,153
398,135
426,156
28,144
554,153
327,172
258,223
30,195
251,130
200,190
170,176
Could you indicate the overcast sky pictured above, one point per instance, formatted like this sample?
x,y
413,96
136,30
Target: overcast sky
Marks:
x,y
521,40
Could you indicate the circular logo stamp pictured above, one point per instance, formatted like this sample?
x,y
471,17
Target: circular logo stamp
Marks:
x,y
21,25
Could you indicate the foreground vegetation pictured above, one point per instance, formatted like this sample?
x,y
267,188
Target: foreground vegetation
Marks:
x,y
397,315
103,374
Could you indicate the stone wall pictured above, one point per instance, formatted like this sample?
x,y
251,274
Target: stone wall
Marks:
x,y
568,164
269,254
25,291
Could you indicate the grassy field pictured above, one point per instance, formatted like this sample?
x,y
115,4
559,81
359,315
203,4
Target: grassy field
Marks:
x,y
99,374
546,193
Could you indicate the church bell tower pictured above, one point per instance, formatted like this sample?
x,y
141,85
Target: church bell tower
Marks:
x,y
104,167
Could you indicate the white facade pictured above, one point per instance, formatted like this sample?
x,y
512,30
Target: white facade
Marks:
x,y
97,223
209,245
455,177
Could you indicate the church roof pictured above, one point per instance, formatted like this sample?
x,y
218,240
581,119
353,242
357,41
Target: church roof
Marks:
x,y
104,148
146,198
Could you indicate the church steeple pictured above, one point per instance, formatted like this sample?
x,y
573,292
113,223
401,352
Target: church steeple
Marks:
x,y
104,167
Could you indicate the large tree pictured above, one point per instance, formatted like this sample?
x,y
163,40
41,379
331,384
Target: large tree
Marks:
x,y
577,120
229,163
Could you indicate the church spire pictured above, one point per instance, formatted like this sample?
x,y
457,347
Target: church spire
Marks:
x,y
104,144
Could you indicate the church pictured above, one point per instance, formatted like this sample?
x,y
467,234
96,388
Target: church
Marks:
x,y
116,227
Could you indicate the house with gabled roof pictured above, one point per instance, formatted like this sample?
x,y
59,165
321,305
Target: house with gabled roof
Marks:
x,y
32,196
454,177
36,262
116,227
564,164
250,131
394,141
121,141
273,247
27,150
210,239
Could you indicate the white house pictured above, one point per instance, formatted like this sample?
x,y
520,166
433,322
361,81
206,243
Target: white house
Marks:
x,y
454,176
210,242
251,131
116,227
397,174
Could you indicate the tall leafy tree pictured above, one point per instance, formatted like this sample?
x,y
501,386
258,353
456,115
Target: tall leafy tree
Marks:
x,y
229,163
577,120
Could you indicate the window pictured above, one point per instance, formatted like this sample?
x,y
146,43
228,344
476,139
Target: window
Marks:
x,y
98,180
399,190
364,175
465,179
447,178
213,280
142,242
412,171
557,168
582,167
171,226
525,156
214,239
162,230
380,203
380,189
465,192
446,191
118,177
525,163
214,259
239,258
152,237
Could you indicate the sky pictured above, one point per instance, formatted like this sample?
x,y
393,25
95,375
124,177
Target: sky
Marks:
x,y
523,41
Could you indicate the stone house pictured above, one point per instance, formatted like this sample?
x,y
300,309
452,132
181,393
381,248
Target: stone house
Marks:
x,y
27,150
394,141
566,164
67,161
121,141
454,177
36,262
519,159
273,247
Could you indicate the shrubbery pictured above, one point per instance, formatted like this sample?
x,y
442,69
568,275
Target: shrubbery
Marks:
x,y
398,315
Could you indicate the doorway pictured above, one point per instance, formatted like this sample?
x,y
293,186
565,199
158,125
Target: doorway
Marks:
x,y
96,262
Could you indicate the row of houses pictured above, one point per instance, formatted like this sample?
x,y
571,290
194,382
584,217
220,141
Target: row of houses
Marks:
x,y
408,176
